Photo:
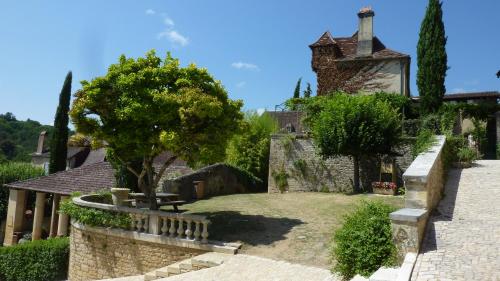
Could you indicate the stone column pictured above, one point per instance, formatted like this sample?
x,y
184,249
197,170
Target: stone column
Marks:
x,y
54,217
38,217
62,226
15,215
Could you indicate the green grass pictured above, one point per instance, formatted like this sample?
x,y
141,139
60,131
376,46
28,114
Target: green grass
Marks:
x,y
295,226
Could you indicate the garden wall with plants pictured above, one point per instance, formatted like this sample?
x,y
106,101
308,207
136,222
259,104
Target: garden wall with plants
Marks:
x,y
294,166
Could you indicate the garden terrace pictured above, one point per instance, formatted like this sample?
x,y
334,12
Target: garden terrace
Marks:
x,y
175,229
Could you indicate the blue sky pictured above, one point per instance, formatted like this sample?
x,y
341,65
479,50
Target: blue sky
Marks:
x,y
258,48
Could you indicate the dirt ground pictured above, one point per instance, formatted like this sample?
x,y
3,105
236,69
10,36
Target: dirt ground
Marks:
x,y
296,227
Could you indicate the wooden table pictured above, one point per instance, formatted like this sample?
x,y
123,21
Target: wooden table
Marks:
x,y
166,199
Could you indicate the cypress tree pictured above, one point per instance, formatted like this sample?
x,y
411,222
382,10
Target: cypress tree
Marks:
x,y
431,58
296,93
59,140
308,91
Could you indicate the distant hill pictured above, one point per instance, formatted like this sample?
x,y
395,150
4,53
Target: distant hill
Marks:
x,y
18,139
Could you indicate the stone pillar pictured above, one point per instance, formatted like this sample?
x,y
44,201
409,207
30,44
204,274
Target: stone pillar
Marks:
x,y
54,217
408,227
38,217
15,215
62,225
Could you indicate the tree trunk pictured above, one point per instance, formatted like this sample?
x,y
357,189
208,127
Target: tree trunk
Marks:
x,y
147,185
356,174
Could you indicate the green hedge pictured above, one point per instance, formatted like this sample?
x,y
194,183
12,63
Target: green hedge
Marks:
x,y
364,243
42,260
11,172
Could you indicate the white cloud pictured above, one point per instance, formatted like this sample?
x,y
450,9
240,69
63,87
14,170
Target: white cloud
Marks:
x,y
168,21
241,84
150,12
174,37
261,110
245,65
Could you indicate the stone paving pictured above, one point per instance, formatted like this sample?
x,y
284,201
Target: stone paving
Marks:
x,y
462,240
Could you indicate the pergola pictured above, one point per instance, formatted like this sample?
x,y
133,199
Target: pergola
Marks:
x,y
85,179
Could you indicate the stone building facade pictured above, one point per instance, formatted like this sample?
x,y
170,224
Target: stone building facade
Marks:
x,y
295,157
341,63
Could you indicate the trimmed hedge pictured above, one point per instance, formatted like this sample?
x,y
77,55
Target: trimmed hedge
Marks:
x,y
41,260
364,243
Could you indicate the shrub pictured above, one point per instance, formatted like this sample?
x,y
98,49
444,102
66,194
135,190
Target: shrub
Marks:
x,y
95,217
364,243
249,150
425,139
466,154
11,172
41,260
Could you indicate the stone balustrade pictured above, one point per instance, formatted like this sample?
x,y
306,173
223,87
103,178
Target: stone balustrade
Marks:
x,y
193,228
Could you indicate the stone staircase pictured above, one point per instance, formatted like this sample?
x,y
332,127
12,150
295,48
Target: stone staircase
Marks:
x,y
206,260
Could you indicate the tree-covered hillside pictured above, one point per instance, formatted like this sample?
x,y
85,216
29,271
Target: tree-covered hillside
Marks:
x,y
18,139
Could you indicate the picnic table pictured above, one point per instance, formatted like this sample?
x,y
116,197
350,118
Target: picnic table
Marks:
x,y
165,199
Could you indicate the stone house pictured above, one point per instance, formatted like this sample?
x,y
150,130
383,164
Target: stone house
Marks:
x,y
360,62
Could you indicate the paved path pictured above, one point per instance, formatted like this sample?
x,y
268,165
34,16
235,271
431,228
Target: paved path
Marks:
x,y
462,240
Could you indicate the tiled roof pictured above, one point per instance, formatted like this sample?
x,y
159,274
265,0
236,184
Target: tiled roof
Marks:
x,y
348,47
85,179
472,95
95,156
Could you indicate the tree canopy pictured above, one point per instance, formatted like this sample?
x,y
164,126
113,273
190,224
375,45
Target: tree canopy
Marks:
x,y
143,107
432,58
354,126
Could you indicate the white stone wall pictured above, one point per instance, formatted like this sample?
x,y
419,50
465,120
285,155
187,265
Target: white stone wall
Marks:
x,y
392,75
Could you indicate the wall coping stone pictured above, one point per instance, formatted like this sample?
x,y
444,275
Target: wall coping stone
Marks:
x,y
421,167
408,214
213,246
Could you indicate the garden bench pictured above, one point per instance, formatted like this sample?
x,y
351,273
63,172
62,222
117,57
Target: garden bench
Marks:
x,y
174,204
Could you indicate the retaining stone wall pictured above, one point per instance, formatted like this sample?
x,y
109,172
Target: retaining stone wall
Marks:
x,y
307,171
95,256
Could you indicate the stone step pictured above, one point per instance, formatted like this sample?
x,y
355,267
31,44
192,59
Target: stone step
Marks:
x,y
385,274
209,260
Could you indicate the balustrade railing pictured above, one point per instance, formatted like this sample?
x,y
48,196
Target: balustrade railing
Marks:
x,y
172,225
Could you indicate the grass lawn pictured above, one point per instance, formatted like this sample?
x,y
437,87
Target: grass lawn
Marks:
x,y
296,227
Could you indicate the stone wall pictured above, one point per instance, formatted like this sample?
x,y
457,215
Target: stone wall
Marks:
x,y
307,171
219,179
424,183
95,256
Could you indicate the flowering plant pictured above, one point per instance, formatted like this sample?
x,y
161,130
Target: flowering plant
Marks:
x,y
384,185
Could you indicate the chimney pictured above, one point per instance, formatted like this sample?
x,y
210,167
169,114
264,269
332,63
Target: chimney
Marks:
x,y
41,141
365,32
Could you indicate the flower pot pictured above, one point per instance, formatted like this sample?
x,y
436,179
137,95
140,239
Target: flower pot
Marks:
x,y
384,191
119,195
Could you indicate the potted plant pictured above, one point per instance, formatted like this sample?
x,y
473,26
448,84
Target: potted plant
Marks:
x,y
466,156
385,188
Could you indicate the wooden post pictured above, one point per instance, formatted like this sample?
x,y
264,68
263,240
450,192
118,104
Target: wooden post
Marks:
x,y
54,216
38,217
15,215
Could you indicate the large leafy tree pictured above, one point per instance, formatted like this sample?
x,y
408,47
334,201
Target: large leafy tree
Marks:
x,y
59,140
355,126
432,59
249,150
145,106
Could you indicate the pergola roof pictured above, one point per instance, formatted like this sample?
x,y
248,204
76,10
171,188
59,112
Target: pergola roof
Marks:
x,y
85,179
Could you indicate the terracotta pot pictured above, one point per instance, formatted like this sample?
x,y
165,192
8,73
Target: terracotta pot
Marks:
x,y
384,191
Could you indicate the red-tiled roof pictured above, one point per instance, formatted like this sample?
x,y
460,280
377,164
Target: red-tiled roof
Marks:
x,y
348,47
85,179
